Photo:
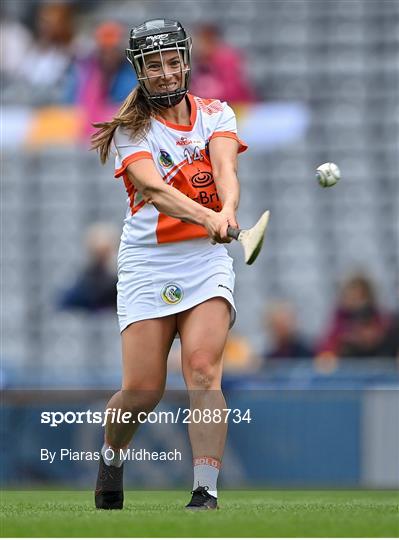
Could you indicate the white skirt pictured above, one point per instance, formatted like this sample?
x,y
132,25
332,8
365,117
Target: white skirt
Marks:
x,y
156,281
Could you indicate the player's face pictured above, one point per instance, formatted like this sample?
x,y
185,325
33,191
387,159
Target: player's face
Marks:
x,y
164,74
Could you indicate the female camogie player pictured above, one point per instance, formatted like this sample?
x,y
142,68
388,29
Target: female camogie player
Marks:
x,y
177,155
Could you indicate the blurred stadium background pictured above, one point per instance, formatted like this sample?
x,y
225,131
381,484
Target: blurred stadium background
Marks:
x,y
325,78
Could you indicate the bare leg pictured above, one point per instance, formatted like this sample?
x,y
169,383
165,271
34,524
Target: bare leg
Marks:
x,y
203,332
145,349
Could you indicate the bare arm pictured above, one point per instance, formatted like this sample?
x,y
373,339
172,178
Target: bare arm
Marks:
x,y
165,198
170,201
223,153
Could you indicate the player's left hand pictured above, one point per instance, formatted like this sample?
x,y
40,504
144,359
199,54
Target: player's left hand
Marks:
x,y
229,213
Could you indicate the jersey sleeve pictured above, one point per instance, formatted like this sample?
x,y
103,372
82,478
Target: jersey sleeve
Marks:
x,y
128,151
227,127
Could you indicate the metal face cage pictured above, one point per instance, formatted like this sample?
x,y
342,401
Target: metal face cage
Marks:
x,y
158,44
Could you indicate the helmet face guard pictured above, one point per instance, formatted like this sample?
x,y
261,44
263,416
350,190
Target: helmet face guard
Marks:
x,y
159,36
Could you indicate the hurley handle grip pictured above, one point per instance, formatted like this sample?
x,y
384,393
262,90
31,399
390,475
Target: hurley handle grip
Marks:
x,y
233,232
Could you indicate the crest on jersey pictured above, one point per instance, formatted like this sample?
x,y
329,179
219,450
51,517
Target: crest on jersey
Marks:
x,y
172,293
165,159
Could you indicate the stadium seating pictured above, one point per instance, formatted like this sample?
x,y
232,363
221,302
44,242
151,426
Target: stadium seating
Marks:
x,y
343,63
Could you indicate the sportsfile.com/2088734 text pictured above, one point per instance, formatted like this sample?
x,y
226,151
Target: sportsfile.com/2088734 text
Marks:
x,y
118,416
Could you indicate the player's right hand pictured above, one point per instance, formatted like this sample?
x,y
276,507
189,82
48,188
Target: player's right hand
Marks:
x,y
216,225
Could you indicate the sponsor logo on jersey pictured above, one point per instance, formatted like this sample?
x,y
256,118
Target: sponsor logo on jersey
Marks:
x,y
172,293
184,141
202,179
210,200
165,159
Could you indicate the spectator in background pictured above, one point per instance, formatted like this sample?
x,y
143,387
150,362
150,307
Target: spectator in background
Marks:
x,y
103,79
218,70
47,62
392,339
239,354
15,41
95,286
359,328
287,342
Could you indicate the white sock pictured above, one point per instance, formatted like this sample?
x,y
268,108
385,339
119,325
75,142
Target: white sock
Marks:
x,y
206,472
111,456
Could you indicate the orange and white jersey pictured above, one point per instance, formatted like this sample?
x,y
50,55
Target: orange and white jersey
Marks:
x,y
181,156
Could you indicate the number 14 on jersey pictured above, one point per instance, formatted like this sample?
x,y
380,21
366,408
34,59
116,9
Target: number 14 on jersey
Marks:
x,y
193,156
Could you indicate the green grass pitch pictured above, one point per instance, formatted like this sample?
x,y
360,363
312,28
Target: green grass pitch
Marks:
x,y
242,513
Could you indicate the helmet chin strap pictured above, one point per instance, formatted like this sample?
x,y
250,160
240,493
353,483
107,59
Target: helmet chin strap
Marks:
x,y
167,100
